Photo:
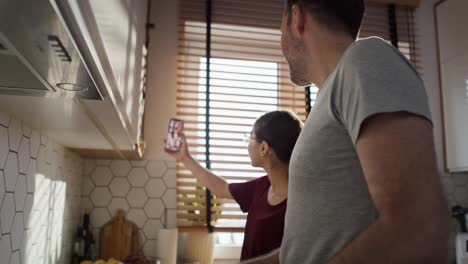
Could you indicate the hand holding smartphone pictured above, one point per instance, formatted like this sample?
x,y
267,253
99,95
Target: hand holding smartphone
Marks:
x,y
174,130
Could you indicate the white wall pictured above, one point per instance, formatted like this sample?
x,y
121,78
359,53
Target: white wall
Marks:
x,y
161,87
39,196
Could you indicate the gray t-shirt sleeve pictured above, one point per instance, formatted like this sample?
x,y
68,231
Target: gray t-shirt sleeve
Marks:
x,y
376,78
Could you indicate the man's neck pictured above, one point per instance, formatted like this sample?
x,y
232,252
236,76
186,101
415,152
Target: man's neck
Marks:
x,y
326,54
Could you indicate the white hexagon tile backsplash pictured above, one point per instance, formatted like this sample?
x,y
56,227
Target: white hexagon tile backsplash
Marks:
x,y
138,177
119,187
40,196
145,190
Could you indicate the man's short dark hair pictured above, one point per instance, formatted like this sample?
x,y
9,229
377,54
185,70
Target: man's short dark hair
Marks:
x,y
343,15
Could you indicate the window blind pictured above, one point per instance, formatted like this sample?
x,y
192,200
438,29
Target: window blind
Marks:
x,y
394,24
247,77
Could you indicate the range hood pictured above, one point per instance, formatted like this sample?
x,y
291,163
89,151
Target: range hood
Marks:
x,y
38,56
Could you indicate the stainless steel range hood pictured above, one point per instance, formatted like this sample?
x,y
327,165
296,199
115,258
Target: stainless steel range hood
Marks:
x,y
38,56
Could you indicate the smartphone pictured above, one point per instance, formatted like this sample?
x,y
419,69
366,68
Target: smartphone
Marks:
x,y
174,130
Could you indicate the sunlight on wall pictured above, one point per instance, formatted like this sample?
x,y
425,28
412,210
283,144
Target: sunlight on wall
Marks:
x,y
43,208
47,242
50,242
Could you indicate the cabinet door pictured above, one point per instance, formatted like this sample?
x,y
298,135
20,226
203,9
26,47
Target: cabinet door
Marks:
x,y
112,34
122,29
452,29
454,81
453,61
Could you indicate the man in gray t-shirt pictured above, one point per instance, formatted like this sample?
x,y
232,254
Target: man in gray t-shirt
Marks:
x,y
363,184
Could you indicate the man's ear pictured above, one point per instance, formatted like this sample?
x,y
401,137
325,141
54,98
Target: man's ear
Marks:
x,y
298,19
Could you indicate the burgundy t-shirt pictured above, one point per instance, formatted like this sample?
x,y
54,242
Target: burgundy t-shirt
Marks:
x,y
265,223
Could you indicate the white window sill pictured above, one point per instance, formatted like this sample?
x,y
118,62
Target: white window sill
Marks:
x,y
227,252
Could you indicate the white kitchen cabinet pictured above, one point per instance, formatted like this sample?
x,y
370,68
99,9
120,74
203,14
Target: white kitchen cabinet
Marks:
x,y
110,36
453,61
114,32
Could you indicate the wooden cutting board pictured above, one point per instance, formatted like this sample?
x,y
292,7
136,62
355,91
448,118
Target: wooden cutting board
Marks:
x,y
119,238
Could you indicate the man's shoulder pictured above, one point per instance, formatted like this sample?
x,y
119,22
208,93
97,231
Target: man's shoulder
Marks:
x,y
368,48
371,55
372,43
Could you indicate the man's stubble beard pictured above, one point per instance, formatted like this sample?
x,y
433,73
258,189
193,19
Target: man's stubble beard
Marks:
x,y
297,76
297,65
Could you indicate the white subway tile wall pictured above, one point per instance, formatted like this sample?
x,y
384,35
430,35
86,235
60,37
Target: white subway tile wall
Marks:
x,y
40,193
144,189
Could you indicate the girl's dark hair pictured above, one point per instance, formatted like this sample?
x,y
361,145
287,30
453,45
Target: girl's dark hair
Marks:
x,y
280,129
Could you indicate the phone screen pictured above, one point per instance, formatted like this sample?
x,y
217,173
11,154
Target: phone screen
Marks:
x,y
174,129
